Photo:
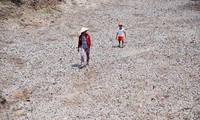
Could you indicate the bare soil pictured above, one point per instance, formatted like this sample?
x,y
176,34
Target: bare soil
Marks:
x,y
156,76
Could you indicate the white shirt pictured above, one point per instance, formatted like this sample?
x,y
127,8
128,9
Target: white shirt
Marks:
x,y
120,32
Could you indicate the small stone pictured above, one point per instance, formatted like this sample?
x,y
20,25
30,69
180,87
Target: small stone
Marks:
x,y
191,42
2,100
177,60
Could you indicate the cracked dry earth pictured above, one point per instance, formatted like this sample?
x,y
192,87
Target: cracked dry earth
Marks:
x,y
156,76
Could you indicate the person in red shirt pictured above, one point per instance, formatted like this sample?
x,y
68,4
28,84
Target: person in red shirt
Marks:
x,y
84,44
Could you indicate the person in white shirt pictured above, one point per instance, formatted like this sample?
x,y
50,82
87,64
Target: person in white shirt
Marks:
x,y
121,34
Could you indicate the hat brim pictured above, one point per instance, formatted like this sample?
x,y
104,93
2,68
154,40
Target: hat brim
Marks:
x,y
83,29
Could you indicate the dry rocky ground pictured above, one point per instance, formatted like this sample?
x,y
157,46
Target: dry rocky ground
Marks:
x,y
155,77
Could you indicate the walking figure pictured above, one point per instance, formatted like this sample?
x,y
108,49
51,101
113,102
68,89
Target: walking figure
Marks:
x,y
121,34
84,44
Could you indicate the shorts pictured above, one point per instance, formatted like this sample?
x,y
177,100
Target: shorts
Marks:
x,y
120,38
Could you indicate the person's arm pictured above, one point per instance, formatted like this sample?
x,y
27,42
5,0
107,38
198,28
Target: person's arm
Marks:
x,y
79,43
116,35
89,41
125,34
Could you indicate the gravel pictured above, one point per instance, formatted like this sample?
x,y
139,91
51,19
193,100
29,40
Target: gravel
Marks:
x,y
155,76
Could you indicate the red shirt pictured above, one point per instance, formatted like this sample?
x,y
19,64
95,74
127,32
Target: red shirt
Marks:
x,y
88,40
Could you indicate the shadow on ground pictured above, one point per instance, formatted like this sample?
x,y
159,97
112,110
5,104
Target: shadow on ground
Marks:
x,y
75,65
115,46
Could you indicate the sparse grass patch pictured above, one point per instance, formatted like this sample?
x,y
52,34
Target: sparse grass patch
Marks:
x,y
41,3
24,95
37,4
29,2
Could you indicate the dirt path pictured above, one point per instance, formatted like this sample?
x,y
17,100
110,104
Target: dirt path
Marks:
x,y
156,76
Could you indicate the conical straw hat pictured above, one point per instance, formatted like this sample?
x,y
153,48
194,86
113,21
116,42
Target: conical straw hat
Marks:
x,y
83,29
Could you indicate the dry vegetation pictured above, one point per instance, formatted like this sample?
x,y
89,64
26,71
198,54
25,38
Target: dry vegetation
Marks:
x,y
24,95
37,4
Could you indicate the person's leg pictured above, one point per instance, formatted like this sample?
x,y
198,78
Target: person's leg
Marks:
x,y
88,55
88,58
119,43
122,43
82,56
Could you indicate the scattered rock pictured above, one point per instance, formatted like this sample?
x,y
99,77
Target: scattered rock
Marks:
x,y
2,100
20,113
